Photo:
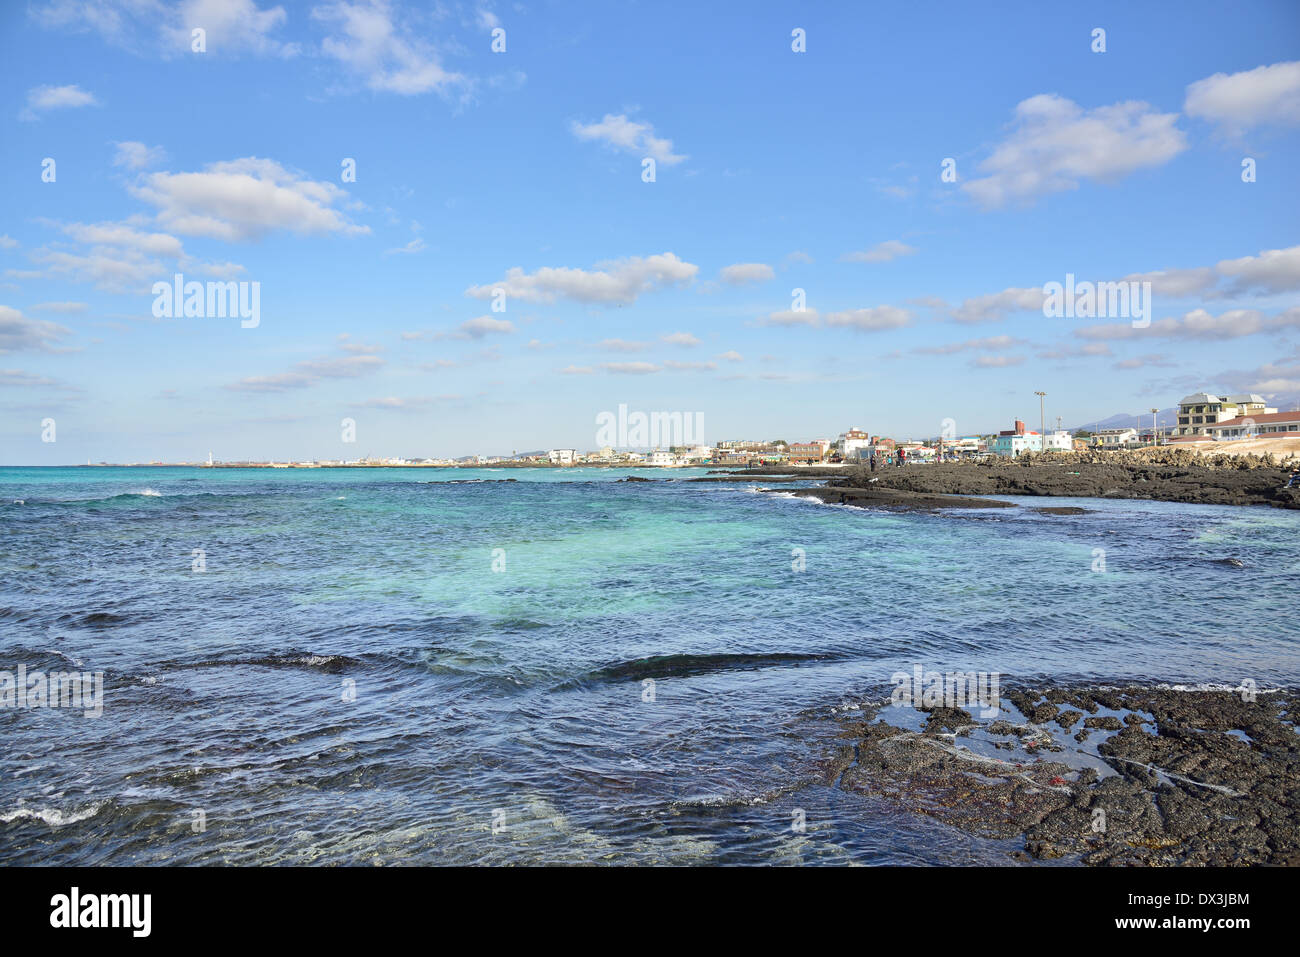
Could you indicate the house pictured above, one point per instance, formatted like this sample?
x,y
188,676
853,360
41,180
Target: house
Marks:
x,y
1058,441
1012,442
849,442
661,458
1265,424
1201,410
562,456
807,453
1114,438
695,453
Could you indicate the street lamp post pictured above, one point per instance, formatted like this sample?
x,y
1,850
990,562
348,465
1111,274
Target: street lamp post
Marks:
x,y
1155,436
1042,422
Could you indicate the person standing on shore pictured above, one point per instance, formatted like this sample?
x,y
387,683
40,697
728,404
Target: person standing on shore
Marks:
x,y
873,460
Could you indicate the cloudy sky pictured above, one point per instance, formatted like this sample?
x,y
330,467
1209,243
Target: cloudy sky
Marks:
x,y
500,271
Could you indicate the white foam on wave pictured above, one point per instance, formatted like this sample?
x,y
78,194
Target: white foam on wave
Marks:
x,y
53,816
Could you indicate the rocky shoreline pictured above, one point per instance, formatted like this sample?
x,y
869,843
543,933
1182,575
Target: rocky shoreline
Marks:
x,y
1093,775
1196,484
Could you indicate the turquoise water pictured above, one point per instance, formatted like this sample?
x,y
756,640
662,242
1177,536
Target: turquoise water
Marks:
x,y
348,680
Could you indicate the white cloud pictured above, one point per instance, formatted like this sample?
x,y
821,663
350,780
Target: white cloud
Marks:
x,y
680,339
1176,283
629,136
120,234
1143,362
620,281
416,245
7,242
60,308
42,99
20,334
988,343
1239,101
623,345
245,199
1197,324
577,370
631,368
996,362
1055,143
309,373
136,156
232,26
731,355
388,55
792,317
1272,271
873,319
880,253
741,273
999,304
479,327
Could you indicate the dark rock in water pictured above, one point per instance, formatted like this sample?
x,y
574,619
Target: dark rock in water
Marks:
x,y
901,500
1113,476
1067,718
635,478
1230,562
947,719
1062,510
1108,723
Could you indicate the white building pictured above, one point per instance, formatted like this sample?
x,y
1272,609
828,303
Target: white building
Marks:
x,y
662,458
562,456
696,453
1058,441
1197,413
1114,438
849,443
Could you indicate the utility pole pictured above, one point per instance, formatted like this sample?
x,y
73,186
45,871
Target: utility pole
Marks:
x,y
1042,421
1155,436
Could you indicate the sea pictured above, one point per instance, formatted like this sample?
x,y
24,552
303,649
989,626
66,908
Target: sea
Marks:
x,y
556,666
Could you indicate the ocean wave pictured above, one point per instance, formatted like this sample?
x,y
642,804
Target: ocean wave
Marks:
x,y
330,663
53,816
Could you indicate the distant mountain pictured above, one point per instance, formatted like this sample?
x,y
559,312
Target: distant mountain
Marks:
x,y
1165,418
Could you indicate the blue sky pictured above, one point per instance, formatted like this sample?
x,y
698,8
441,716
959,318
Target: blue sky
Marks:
x,y
522,170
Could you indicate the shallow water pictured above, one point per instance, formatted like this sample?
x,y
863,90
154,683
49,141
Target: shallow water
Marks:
x,y
647,678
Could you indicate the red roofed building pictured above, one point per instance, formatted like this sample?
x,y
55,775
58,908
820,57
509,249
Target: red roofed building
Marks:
x,y
1264,424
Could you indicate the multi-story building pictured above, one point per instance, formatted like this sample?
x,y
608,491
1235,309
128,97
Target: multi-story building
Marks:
x,y
1012,442
562,456
662,458
1266,424
807,452
849,442
1201,410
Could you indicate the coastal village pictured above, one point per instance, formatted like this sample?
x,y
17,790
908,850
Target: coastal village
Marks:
x,y
1202,417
